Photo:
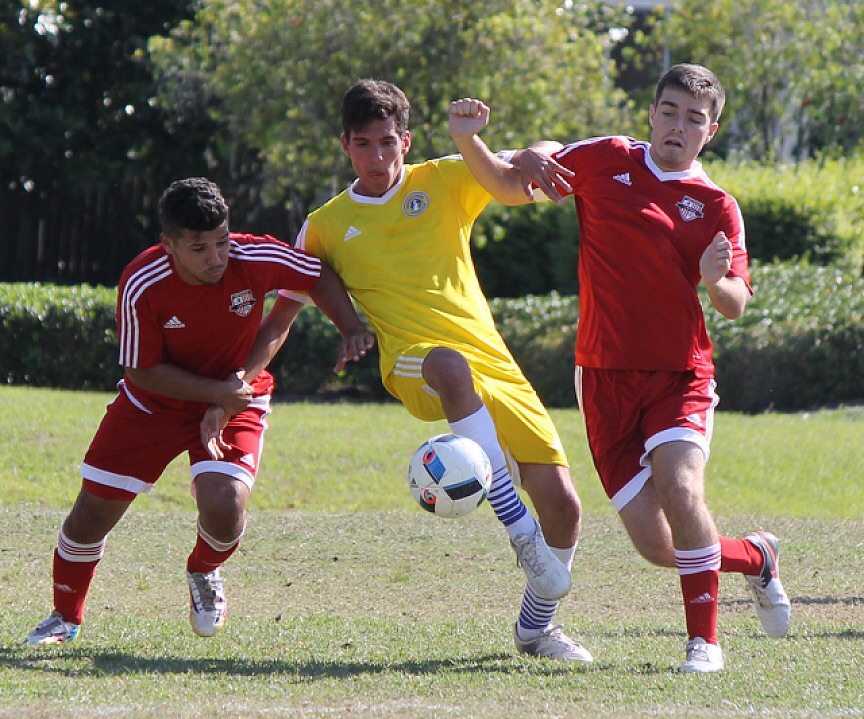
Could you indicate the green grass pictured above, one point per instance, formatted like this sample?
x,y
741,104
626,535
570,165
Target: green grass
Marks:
x,y
347,601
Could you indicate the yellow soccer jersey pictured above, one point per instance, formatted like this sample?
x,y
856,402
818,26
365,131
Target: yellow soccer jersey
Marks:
x,y
405,258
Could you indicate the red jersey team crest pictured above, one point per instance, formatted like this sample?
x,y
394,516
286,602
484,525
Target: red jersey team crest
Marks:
x,y
242,302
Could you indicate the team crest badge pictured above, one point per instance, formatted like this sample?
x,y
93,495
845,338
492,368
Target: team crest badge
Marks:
x,y
415,204
690,209
242,303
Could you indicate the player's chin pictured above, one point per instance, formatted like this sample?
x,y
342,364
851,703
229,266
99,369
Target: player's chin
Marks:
x,y
214,276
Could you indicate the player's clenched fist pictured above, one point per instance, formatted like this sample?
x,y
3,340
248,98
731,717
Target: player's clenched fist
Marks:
x,y
468,117
717,259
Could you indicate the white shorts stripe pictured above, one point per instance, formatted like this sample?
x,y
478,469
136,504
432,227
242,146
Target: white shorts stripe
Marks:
x,y
118,481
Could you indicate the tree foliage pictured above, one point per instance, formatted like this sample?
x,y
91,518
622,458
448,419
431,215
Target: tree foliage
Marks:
x,y
77,98
277,70
793,70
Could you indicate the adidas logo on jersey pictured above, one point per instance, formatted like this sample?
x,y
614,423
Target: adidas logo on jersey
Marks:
x,y
174,324
351,233
623,178
248,459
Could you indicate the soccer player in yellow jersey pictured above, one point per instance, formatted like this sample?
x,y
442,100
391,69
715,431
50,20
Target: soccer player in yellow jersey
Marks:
x,y
399,239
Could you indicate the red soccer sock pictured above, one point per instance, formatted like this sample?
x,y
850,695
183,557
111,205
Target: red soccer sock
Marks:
x,y
206,557
739,555
700,592
71,584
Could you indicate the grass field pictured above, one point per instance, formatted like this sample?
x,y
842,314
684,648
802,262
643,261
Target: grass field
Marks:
x,y
347,601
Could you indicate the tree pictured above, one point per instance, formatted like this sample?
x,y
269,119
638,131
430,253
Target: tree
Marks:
x,y
277,70
79,121
793,71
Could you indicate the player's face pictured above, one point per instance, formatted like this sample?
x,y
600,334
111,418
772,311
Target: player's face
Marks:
x,y
377,152
681,126
200,258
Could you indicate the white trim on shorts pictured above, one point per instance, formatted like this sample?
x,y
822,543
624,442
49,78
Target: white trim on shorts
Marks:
x,y
117,481
219,466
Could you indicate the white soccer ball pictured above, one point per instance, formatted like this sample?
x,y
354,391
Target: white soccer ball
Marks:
x,y
449,475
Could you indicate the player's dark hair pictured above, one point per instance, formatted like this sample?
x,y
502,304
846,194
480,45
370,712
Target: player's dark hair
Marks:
x,y
368,100
699,81
195,204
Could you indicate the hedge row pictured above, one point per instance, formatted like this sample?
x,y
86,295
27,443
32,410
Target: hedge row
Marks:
x,y
800,345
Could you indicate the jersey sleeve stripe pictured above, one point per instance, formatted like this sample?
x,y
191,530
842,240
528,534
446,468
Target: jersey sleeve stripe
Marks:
x,y
136,284
288,256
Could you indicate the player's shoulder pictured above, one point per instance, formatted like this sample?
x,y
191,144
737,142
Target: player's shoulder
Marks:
x,y
150,265
604,144
242,239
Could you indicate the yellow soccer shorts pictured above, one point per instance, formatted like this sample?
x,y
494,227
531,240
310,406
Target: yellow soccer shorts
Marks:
x,y
525,430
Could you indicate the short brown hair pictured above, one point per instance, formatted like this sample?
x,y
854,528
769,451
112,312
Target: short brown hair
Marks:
x,y
368,100
699,81
195,204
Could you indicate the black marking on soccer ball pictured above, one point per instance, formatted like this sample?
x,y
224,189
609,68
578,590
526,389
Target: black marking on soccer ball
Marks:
x,y
464,489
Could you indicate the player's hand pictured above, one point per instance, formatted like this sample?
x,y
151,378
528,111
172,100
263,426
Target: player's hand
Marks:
x,y
354,348
212,424
540,171
716,261
237,395
468,117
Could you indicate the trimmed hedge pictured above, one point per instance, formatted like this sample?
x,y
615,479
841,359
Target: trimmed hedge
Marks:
x,y
799,345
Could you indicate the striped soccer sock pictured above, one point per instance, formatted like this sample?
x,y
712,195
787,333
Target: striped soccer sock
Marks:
x,y
503,497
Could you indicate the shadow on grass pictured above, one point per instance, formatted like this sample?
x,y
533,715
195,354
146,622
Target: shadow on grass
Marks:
x,y
100,663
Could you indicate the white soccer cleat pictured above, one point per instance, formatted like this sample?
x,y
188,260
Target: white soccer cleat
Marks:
x,y
553,644
702,657
546,574
208,608
772,604
53,630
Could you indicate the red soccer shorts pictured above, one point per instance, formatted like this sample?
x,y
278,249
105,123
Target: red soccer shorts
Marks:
x,y
630,412
132,447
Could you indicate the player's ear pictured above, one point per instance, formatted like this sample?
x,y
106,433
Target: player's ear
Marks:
x,y
167,243
651,111
345,143
406,142
712,130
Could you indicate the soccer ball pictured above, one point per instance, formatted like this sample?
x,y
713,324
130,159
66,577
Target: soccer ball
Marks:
x,y
449,475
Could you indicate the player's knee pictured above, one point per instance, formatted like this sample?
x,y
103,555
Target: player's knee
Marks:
x,y
447,370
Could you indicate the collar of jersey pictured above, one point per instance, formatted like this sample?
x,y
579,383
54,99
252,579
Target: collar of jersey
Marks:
x,y
367,200
695,170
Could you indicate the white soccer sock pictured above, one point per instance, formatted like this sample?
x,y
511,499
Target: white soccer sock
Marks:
x,y
503,498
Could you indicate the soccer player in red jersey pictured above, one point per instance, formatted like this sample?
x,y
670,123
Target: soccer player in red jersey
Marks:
x,y
652,227
189,310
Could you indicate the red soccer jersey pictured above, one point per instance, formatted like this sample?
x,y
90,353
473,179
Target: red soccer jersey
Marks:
x,y
642,234
207,330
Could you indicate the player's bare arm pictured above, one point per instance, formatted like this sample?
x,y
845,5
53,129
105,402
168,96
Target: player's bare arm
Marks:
x,y
537,169
232,393
501,179
330,296
729,295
